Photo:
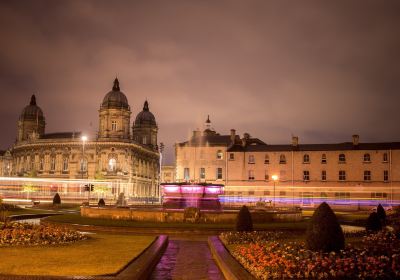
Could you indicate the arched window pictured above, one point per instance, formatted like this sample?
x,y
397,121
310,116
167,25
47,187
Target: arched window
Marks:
x,y
367,158
83,165
266,159
323,158
342,158
112,164
65,164
306,158
114,125
251,159
52,163
282,159
219,154
41,164
385,157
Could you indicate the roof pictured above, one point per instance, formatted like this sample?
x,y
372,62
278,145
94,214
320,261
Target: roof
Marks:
x,y
316,147
115,98
145,117
216,139
62,135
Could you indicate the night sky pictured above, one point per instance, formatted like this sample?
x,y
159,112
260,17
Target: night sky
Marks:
x,y
321,70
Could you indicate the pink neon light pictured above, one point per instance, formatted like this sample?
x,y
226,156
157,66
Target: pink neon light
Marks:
x,y
171,189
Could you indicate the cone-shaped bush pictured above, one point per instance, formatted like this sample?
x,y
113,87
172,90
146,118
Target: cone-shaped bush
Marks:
x,y
381,214
324,232
243,220
373,222
56,199
101,203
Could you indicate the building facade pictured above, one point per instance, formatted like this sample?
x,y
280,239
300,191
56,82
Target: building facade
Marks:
x,y
168,174
120,152
305,174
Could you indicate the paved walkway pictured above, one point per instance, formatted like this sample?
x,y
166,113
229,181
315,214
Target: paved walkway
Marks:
x,y
187,259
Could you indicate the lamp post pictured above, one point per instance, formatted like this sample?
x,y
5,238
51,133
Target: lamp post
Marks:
x,y
83,165
274,178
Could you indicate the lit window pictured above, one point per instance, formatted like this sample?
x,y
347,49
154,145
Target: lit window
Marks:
x,y
266,159
219,154
342,158
186,174
323,158
385,157
323,175
65,164
219,173
114,125
144,140
342,175
202,173
231,156
251,174
367,175
112,164
83,165
306,158
251,159
367,158
306,175
282,159
385,175
378,195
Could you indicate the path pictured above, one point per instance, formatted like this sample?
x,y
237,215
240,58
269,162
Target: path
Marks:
x,y
187,259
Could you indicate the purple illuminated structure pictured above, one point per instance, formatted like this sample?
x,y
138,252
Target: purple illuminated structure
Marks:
x,y
183,195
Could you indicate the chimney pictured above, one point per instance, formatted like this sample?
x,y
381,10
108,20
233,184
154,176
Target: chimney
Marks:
x,y
356,139
233,135
295,141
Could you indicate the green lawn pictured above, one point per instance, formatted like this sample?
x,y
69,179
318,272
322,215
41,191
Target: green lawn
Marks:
x,y
101,254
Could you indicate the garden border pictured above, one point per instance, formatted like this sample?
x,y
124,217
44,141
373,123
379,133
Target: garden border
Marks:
x,y
231,269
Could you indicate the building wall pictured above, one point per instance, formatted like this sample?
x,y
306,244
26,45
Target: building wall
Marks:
x,y
168,174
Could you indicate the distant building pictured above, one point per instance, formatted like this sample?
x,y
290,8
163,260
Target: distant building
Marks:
x,y
117,153
306,173
5,163
168,174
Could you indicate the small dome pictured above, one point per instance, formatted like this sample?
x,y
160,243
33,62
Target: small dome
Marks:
x,y
115,98
32,111
145,117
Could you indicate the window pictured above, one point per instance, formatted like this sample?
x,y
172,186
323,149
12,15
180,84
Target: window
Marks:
x,y
323,175
231,156
367,175
385,157
282,159
306,158
282,193
65,164
378,195
114,125
83,165
202,173
385,175
342,195
112,164
144,140
219,154
306,175
266,192
266,176
251,192
219,173
41,164
342,158
323,159
52,163
342,175
251,174
251,159
186,174
367,158
266,159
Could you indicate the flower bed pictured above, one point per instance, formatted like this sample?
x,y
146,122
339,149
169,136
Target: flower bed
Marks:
x,y
15,234
269,257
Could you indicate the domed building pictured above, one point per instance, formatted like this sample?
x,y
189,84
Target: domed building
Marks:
x,y
129,158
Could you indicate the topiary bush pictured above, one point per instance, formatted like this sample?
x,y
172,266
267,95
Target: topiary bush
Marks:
x,y
324,232
56,199
381,214
373,222
243,220
101,203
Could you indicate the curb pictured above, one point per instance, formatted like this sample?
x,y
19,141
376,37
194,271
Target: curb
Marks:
x,y
140,267
231,268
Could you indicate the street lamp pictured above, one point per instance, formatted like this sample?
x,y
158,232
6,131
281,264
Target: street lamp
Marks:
x,y
274,178
83,162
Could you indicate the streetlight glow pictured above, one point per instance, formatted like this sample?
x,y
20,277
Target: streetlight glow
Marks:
x,y
275,177
84,138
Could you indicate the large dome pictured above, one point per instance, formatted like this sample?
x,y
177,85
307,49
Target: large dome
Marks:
x,y
32,111
145,117
115,98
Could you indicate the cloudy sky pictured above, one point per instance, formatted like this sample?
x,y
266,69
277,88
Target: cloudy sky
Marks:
x,y
321,70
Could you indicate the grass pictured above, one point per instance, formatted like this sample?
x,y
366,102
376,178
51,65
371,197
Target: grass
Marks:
x,y
99,255
77,219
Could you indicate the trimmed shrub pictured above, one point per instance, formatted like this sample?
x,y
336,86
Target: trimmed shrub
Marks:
x,y
101,203
324,232
373,222
243,220
381,214
56,199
